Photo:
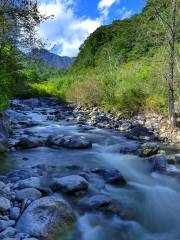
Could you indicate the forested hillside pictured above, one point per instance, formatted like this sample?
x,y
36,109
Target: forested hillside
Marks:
x,y
122,65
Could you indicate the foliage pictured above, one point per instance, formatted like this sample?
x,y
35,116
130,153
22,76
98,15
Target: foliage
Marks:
x,y
18,21
133,87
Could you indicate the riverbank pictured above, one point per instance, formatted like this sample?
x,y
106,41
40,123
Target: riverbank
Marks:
x,y
80,170
116,120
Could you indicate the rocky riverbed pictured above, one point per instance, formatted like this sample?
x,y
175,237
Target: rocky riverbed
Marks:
x,y
71,174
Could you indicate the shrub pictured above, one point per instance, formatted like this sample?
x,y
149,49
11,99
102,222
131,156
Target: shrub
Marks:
x,y
133,101
88,92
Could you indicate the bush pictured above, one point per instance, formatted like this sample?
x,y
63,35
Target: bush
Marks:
x,y
133,101
88,92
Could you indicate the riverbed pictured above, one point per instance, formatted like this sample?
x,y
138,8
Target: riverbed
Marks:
x,y
147,207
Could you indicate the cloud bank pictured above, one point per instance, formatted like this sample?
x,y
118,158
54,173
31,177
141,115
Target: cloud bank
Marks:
x,y
66,31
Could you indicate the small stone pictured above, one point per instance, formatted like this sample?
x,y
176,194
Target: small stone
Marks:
x,y
8,232
177,158
111,175
5,224
33,182
22,235
28,193
5,204
148,149
14,213
30,239
6,218
97,201
158,162
69,184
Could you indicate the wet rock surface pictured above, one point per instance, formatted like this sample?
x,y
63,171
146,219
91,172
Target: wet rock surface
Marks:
x,y
66,160
70,184
44,216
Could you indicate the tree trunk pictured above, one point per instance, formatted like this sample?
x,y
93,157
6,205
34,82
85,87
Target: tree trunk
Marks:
x,y
172,38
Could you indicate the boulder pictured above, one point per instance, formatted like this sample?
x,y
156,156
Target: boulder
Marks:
x,y
158,162
72,142
111,175
129,148
28,193
25,143
140,133
5,204
70,184
46,216
97,201
33,182
148,149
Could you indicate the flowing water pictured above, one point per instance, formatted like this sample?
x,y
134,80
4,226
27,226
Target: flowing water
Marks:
x,y
153,198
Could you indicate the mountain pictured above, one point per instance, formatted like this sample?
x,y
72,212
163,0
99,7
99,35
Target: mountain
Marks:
x,y
53,60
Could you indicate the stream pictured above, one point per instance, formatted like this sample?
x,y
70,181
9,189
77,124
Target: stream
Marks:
x,y
146,208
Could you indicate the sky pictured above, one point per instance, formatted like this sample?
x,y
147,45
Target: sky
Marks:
x,y
73,21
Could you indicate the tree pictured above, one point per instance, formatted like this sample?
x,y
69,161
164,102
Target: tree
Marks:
x,y
169,18
18,23
18,20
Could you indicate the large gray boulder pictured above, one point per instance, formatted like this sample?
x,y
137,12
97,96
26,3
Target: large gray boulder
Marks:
x,y
70,184
46,216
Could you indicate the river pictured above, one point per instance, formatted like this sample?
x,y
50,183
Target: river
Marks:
x,y
150,200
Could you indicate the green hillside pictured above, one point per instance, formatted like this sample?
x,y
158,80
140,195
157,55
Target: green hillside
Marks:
x,y
122,65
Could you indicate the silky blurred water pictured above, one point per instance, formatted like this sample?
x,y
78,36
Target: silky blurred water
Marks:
x,y
153,198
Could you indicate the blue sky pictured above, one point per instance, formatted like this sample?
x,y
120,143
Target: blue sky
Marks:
x,y
75,20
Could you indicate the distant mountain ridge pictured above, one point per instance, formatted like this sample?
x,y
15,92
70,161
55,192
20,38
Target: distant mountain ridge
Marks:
x,y
51,59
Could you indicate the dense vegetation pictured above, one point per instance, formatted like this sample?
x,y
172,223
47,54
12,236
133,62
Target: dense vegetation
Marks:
x,y
18,20
122,65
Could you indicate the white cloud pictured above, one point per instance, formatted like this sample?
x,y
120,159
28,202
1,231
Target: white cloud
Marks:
x,y
104,6
124,13
65,29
